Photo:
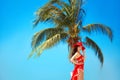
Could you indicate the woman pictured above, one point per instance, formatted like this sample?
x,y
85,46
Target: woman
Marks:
x,y
78,60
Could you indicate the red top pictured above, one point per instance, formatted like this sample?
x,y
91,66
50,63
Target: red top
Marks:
x,y
79,44
80,59
81,67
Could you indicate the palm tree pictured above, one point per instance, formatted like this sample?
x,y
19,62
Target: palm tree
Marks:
x,y
67,18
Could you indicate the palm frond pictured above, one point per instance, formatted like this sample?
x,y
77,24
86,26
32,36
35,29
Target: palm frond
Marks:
x,y
64,16
70,1
49,43
54,1
99,28
77,9
49,13
45,34
90,43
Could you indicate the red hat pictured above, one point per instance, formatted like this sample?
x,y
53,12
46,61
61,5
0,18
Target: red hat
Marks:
x,y
79,44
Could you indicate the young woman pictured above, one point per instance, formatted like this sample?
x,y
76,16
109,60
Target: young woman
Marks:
x,y
78,60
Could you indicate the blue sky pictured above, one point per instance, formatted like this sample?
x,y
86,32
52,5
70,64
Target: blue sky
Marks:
x,y
15,43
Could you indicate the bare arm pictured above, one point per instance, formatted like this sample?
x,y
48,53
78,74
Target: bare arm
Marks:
x,y
74,61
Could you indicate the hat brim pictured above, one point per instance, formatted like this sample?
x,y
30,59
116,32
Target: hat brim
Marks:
x,y
79,44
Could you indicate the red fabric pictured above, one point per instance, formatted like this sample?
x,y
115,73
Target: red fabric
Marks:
x,y
79,44
81,67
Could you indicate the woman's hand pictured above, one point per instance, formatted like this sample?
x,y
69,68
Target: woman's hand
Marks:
x,y
76,62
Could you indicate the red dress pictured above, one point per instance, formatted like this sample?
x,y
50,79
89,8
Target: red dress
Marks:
x,y
81,67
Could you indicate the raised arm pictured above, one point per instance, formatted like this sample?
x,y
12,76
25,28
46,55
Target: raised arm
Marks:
x,y
73,59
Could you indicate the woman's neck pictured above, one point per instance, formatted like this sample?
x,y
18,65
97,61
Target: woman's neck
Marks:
x,y
79,52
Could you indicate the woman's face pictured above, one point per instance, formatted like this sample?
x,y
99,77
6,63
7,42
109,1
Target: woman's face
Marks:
x,y
79,48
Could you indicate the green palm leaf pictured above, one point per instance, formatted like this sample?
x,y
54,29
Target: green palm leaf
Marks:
x,y
90,43
49,43
49,13
45,34
98,28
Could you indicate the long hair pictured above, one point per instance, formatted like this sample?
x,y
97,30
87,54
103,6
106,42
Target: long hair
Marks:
x,y
73,51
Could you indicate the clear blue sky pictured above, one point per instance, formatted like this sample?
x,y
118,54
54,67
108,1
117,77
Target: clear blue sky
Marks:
x,y
16,32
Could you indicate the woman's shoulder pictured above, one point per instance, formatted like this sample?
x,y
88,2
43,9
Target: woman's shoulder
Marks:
x,y
75,55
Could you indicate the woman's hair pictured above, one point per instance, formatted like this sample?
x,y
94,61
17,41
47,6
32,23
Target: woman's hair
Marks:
x,y
74,50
